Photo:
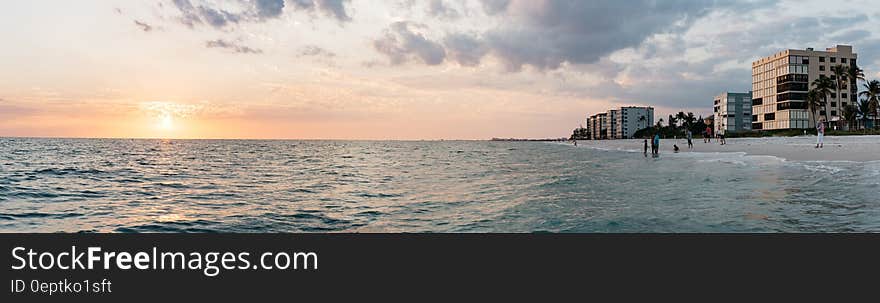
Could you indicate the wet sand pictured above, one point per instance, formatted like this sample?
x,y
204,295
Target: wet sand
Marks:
x,y
802,148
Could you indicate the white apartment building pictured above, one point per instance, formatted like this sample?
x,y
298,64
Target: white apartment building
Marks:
x,y
780,84
632,119
620,123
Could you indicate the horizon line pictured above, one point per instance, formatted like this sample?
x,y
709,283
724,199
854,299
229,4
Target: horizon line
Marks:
x,y
263,139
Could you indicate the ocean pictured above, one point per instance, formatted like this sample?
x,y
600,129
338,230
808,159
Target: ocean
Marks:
x,y
141,185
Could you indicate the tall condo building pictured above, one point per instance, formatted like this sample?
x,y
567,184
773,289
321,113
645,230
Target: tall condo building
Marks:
x,y
733,112
620,123
780,84
632,119
611,123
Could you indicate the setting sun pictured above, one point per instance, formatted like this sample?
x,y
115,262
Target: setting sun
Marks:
x,y
166,122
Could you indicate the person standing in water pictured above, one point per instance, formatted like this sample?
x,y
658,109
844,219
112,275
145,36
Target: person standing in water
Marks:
x,y
656,144
690,137
820,132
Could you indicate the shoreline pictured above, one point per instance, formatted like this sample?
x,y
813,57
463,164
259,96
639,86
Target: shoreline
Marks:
x,y
802,148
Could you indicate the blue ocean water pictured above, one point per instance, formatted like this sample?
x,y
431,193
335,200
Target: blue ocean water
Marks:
x,y
133,185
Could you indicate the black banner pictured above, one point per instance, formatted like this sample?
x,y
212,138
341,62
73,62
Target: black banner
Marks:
x,y
416,267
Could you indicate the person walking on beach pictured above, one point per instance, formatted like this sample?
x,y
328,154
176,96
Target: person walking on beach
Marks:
x,y
646,148
820,132
721,138
690,137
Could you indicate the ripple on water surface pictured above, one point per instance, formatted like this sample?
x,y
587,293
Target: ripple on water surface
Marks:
x,y
110,185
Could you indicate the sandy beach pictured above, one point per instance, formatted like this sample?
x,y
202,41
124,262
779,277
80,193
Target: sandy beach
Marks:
x,y
802,148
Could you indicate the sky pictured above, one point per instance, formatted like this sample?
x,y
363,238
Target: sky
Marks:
x,y
396,69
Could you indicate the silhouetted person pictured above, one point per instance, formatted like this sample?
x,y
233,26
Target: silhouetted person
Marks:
x,y
656,144
690,137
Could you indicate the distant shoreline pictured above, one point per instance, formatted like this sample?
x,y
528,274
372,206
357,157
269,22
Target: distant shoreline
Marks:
x,y
531,140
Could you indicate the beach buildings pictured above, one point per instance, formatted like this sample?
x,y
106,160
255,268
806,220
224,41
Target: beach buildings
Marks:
x,y
780,83
611,123
733,112
620,123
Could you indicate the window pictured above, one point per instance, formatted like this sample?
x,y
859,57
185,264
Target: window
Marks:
x,y
843,96
821,59
833,113
821,112
833,104
843,60
791,96
770,117
832,95
821,68
833,60
843,104
791,105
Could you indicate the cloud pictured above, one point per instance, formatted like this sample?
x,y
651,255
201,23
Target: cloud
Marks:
x,y
404,42
144,26
249,11
439,8
548,34
234,47
465,49
331,8
269,8
493,7
315,51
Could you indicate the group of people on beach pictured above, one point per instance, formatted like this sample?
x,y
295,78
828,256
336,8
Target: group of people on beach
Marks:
x,y
707,138
655,146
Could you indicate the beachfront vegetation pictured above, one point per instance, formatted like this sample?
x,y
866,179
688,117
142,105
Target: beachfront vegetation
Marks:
x,y
580,133
676,126
823,87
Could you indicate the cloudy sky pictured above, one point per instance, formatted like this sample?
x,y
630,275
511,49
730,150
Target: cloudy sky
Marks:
x,y
396,69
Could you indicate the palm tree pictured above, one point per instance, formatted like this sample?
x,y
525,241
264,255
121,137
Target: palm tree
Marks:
x,y
823,86
814,102
690,120
872,96
854,74
671,121
682,118
849,114
839,72
864,110
659,124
